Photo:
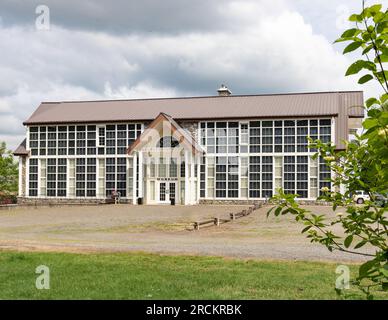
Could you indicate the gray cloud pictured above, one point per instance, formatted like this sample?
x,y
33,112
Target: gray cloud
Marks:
x,y
127,17
168,48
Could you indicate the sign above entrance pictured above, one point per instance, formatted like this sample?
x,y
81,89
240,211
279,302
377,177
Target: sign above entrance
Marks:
x,y
167,179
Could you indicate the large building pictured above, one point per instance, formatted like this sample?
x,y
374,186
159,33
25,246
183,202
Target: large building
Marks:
x,y
224,148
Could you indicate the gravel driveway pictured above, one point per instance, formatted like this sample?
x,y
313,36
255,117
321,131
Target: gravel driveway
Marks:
x,y
161,229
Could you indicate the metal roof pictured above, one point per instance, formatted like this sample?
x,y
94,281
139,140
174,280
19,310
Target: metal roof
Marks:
x,y
192,108
21,149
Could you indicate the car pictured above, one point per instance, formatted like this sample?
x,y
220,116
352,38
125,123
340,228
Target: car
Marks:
x,y
360,197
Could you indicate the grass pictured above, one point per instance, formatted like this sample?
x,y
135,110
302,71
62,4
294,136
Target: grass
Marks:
x,y
150,276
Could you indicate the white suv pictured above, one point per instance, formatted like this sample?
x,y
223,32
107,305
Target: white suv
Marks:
x,y
360,197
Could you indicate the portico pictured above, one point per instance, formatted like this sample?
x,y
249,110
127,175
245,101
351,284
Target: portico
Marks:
x,y
166,164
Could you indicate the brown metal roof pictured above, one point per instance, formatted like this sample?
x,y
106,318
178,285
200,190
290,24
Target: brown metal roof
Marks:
x,y
214,107
21,149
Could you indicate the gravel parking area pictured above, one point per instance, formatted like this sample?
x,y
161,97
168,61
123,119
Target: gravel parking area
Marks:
x,y
160,229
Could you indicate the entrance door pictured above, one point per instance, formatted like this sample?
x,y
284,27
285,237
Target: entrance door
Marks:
x,y
167,191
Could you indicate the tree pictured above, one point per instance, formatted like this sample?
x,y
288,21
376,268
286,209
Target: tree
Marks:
x,y
363,165
8,172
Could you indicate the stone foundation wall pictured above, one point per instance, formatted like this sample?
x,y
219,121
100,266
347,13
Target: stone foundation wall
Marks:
x,y
229,202
252,202
23,201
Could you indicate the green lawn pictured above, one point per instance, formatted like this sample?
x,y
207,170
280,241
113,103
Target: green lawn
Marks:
x,y
148,276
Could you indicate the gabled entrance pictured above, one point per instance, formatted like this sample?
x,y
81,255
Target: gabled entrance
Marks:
x,y
167,159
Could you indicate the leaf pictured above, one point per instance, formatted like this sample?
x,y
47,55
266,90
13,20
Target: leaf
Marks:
x,y
360,244
365,79
355,18
357,66
371,101
366,267
375,9
370,123
353,46
348,241
351,33
306,229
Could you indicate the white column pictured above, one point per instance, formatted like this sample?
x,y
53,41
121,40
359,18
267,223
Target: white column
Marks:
x,y
134,179
20,176
198,179
27,188
192,184
187,184
140,159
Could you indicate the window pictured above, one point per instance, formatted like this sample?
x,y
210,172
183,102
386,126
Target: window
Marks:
x,y
278,171
267,177
72,177
313,132
43,177
110,178
80,177
101,136
210,137
71,140
302,134
42,141
110,139
51,177
267,136
183,169
254,137
173,168
162,172
121,138
33,178
244,177
52,141
313,177
122,176
167,142
221,172
62,140
289,174
244,137
325,130
91,140
34,144
62,177
278,136
289,136
203,134
203,177
211,170
91,177
302,177
324,175
134,131
233,177
254,177
221,137
81,140
233,137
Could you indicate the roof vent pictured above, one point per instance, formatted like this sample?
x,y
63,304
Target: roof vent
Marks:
x,y
224,91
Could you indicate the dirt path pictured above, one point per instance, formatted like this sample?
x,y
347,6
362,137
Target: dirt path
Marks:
x,y
160,229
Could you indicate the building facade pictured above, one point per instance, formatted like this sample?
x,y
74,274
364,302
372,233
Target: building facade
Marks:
x,y
186,151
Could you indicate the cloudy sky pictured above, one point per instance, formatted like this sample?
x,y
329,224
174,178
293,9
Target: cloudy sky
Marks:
x,y
98,49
